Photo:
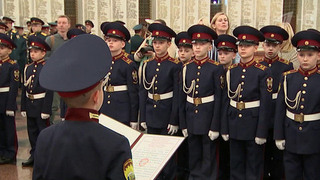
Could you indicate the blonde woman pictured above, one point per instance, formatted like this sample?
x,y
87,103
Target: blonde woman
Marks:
x,y
287,50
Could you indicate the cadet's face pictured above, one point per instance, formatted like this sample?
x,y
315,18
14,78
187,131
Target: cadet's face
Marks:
x,y
88,28
37,54
271,50
9,24
200,49
226,57
308,59
2,30
36,27
4,52
247,51
160,47
63,25
221,24
185,54
115,44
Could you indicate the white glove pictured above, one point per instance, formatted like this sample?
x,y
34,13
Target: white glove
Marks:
x,y
45,116
172,129
213,135
144,125
10,113
23,113
185,132
260,141
281,144
225,137
134,125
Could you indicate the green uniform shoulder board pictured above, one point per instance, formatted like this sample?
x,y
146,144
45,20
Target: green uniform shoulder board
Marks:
x,y
290,72
31,34
14,31
260,66
174,60
233,66
213,62
284,61
44,34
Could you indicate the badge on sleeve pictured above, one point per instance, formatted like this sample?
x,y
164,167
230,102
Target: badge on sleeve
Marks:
x,y
128,170
16,75
269,84
135,77
222,81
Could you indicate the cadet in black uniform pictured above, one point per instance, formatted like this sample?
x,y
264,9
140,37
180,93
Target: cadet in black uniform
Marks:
x,y
36,101
121,100
36,26
184,43
3,27
89,25
200,114
246,120
274,36
226,48
297,119
159,90
9,81
79,147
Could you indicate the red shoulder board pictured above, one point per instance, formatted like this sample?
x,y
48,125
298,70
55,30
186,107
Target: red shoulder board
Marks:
x,y
289,72
233,66
127,60
174,60
259,60
12,61
188,62
148,60
260,66
213,62
284,61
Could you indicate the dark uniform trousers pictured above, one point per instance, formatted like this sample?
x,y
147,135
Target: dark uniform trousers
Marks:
x,y
9,78
123,104
247,86
158,113
200,117
273,159
34,105
302,145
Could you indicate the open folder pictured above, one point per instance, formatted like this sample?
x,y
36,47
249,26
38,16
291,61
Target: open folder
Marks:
x,y
149,152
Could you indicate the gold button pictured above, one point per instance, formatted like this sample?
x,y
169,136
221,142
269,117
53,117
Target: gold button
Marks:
x,y
109,96
269,65
158,64
156,75
302,107
306,78
155,88
30,91
31,86
108,102
35,65
243,70
241,89
196,111
112,62
198,79
197,86
242,76
240,115
33,75
199,67
157,69
156,82
240,96
304,92
300,128
304,85
302,99
242,83
198,73
155,106
34,70
196,92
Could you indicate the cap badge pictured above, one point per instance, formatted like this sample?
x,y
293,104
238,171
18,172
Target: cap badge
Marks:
x,y
223,43
32,44
272,35
244,37
157,32
198,35
184,41
306,43
113,32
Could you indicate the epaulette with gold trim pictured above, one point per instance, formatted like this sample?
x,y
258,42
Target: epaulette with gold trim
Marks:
x,y
233,66
127,60
125,54
213,62
12,61
191,61
148,60
260,66
25,36
174,60
284,61
259,60
14,31
31,34
289,72
44,34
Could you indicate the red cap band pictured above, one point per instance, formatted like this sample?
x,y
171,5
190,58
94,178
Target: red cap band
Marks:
x,y
2,41
248,37
306,42
227,44
156,33
185,41
77,93
273,36
116,32
38,45
196,36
